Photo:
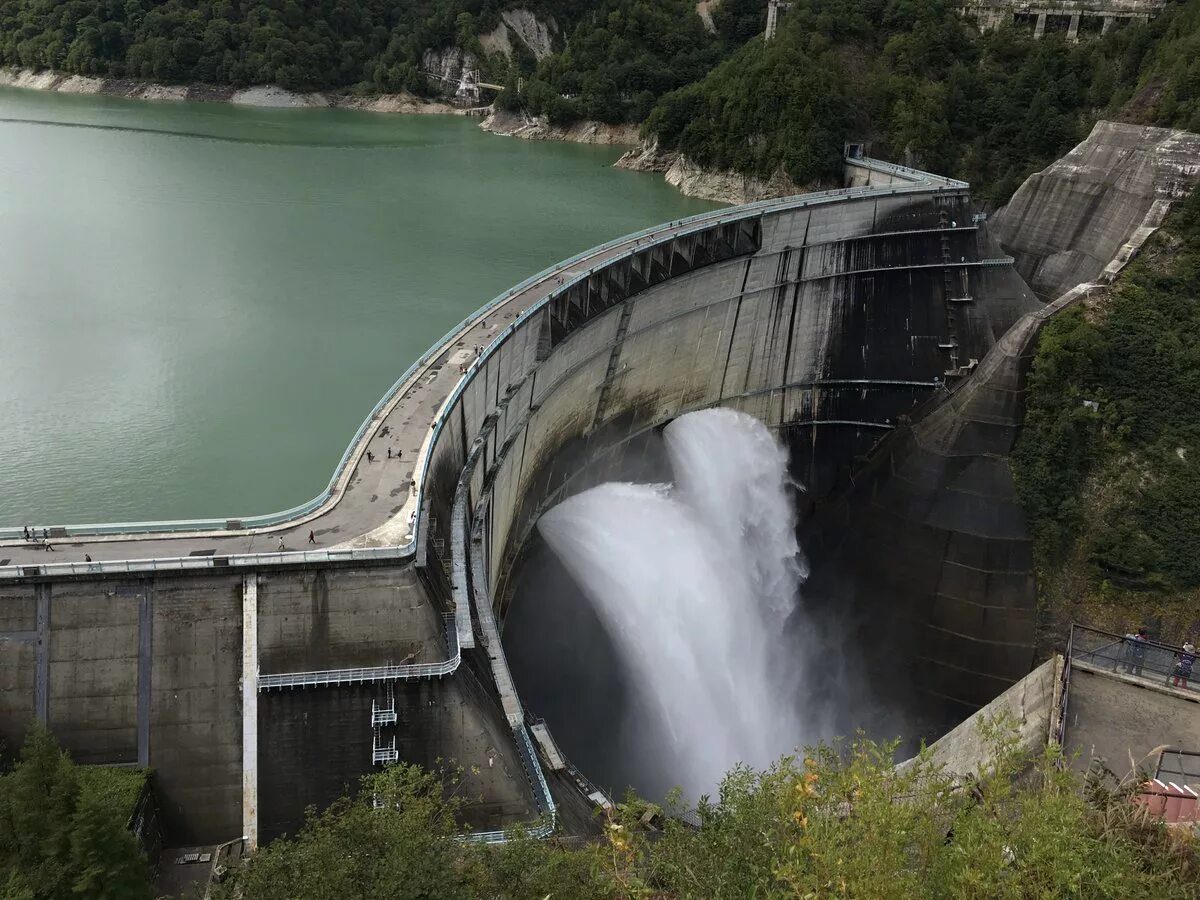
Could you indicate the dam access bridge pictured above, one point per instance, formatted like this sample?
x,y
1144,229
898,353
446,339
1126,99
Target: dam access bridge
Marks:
x,y
258,681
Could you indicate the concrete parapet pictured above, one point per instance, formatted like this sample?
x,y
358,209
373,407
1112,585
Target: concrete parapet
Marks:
x,y
1028,706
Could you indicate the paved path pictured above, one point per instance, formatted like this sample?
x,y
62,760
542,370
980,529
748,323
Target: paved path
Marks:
x,y
373,503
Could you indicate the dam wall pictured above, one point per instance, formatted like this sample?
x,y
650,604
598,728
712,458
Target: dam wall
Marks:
x,y
148,671
828,321
252,683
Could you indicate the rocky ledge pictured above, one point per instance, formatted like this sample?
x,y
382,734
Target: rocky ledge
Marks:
x,y
538,128
696,181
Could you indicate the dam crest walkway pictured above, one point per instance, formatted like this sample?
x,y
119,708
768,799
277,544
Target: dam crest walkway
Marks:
x,y
370,509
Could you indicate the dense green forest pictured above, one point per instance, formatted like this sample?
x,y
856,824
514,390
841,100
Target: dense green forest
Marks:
x,y
913,76
839,823
63,828
1112,493
916,79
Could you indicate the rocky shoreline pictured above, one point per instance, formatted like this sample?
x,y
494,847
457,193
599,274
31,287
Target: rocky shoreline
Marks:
x,y
689,178
694,180
260,95
537,128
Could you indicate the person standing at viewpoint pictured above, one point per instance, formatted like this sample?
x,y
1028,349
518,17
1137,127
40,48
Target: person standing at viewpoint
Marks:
x,y
1183,665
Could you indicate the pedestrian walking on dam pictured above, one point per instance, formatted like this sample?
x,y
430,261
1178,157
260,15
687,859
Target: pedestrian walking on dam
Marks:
x,y
281,547
312,538
1183,665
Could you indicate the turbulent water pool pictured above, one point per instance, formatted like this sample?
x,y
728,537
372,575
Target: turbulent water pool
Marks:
x,y
201,302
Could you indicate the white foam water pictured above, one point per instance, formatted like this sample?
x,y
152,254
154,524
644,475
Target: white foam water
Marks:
x,y
694,582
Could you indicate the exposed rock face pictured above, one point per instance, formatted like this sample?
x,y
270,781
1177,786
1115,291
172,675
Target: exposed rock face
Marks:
x,y
696,181
496,42
448,63
524,27
704,10
260,95
536,128
533,33
1088,213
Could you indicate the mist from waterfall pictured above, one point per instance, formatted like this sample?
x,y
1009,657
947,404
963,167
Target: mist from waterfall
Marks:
x,y
698,583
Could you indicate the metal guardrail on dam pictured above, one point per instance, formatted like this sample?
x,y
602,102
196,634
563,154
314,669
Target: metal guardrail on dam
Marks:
x,y
921,183
371,674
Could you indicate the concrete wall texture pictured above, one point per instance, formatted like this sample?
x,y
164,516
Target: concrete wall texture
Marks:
x,y
1116,718
1028,706
149,672
1067,222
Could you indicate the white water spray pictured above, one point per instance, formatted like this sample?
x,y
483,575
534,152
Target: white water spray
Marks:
x,y
695,582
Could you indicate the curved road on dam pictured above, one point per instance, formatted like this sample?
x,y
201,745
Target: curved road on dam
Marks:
x,y
369,508
371,504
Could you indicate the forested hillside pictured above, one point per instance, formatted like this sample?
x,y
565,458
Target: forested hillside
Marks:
x,y
1112,493
913,76
919,81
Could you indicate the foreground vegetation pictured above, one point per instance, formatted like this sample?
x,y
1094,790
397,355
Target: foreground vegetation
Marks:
x,y
840,823
1113,493
63,828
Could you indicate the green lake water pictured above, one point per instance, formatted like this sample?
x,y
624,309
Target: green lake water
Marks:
x,y
199,303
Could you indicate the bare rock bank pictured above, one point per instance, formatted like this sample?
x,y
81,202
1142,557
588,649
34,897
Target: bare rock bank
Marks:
x,y
259,95
696,181
537,128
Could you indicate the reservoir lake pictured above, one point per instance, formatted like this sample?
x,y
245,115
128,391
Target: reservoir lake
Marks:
x,y
199,303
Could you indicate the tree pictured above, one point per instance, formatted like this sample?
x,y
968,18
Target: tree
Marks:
x,y
57,841
395,840
106,860
37,805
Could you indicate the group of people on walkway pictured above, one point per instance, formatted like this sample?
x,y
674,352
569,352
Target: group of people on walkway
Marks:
x,y
31,534
1133,658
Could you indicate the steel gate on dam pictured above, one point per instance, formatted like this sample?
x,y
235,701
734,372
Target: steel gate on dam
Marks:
x,y
829,317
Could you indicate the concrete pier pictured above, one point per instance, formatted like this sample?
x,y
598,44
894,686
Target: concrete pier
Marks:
x,y
250,711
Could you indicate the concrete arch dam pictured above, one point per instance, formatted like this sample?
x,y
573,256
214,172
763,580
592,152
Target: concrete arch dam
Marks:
x,y
257,682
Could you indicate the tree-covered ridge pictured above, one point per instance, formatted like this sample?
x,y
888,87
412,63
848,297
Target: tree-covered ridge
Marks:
x,y
1112,493
621,58
623,54
299,44
915,78
840,823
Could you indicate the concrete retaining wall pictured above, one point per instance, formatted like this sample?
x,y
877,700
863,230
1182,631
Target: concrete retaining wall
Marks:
x,y
1028,705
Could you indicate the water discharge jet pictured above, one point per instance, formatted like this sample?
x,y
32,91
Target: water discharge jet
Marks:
x,y
698,584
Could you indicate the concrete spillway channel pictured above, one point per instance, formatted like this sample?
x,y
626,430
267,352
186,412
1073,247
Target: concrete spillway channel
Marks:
x,y
253,681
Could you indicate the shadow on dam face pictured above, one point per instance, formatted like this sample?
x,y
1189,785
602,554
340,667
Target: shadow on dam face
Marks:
x,y
848,665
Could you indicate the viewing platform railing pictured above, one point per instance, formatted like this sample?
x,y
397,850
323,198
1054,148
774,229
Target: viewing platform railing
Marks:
x,y
1146,660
